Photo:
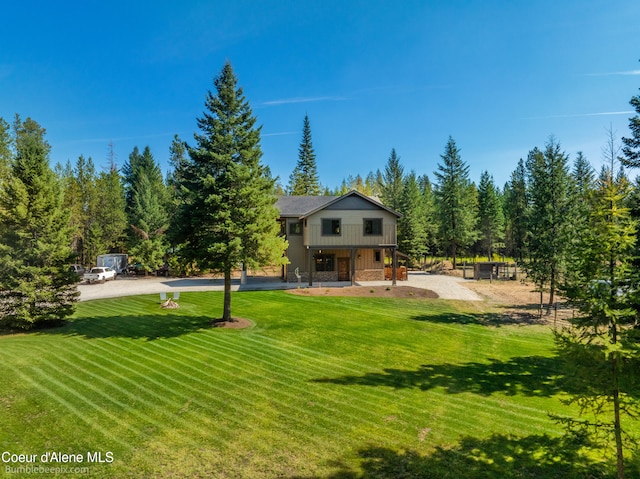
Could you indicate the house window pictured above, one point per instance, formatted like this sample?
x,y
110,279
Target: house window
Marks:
x,y
325,262
377,255
330,227
373,226
295,228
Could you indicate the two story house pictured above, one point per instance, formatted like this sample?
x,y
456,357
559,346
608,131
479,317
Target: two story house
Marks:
x,y
338,238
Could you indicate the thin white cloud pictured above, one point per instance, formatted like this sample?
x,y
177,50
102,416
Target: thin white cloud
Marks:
x,y
629,72
579,115
281,133
287,101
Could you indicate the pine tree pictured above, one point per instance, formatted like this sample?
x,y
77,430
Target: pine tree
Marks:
x,y
490,214
147,208
455,202
600,348
631,148
412,234
392,182
110,209
549,216
516,206
304,178
36,286
6,143
430,215
227,214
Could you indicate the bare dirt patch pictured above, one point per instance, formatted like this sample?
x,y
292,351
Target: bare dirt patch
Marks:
x,y
519,301
407,292
235,323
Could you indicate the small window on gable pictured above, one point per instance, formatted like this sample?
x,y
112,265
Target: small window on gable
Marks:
x,y
295,228
373,226
330,227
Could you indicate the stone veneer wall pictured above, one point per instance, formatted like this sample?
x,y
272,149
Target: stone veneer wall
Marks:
x,y
318,276
324,276
370,275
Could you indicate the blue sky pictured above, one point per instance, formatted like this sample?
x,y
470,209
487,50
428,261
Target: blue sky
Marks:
x,y
500,77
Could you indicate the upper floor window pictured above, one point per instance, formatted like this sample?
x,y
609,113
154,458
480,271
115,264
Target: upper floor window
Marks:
x,y
295,228
373,226
330,227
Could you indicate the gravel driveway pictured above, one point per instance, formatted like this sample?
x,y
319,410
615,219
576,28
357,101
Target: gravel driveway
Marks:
x,y
447,287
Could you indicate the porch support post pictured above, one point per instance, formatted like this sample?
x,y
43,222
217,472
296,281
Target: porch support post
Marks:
x,y
394,263
311,250
353,266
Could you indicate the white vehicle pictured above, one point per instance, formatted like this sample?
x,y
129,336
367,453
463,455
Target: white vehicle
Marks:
x,y
100,275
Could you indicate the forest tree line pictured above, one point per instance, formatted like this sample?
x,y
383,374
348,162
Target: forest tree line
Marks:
x,y
574,229
129,209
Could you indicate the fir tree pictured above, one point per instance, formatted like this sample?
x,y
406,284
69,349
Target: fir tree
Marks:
x,y
600,348
631,148
549,216
412,234
455,202
146,206
392,182
304,178
516,206
36,286
490,214
227,215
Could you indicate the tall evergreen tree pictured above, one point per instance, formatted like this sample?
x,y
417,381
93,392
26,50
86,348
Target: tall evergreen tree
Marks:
x,y
580,196
490,214
455,202
392,184
6,143
36,287
147,208
430,216
516,207
227,211
600,349
549,216
110,210
304,178
631,148
412,234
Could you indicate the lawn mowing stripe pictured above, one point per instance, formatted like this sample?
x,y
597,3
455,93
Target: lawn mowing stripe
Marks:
x,y
452,402
40,373
166,416
392,399
282,403
67,405
232,398
350,367
137,365
294,380
402,311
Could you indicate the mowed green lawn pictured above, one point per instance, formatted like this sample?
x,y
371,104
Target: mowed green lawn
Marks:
x,y
320,387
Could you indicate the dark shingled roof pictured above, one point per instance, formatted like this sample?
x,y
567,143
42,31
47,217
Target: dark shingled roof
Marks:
x,y
297,206
303,206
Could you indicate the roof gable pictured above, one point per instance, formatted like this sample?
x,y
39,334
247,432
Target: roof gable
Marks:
x,y
304,206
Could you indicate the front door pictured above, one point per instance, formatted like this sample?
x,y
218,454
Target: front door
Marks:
x,y
343,269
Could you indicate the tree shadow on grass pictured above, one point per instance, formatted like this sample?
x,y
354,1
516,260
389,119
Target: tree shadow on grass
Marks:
x,y
526,375
498,456
148,327
508,317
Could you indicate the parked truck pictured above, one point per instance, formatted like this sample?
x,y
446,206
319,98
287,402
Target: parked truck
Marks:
x,y
116,261
100,274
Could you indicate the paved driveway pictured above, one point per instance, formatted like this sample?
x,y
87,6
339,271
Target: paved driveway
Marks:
x,y
447,287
